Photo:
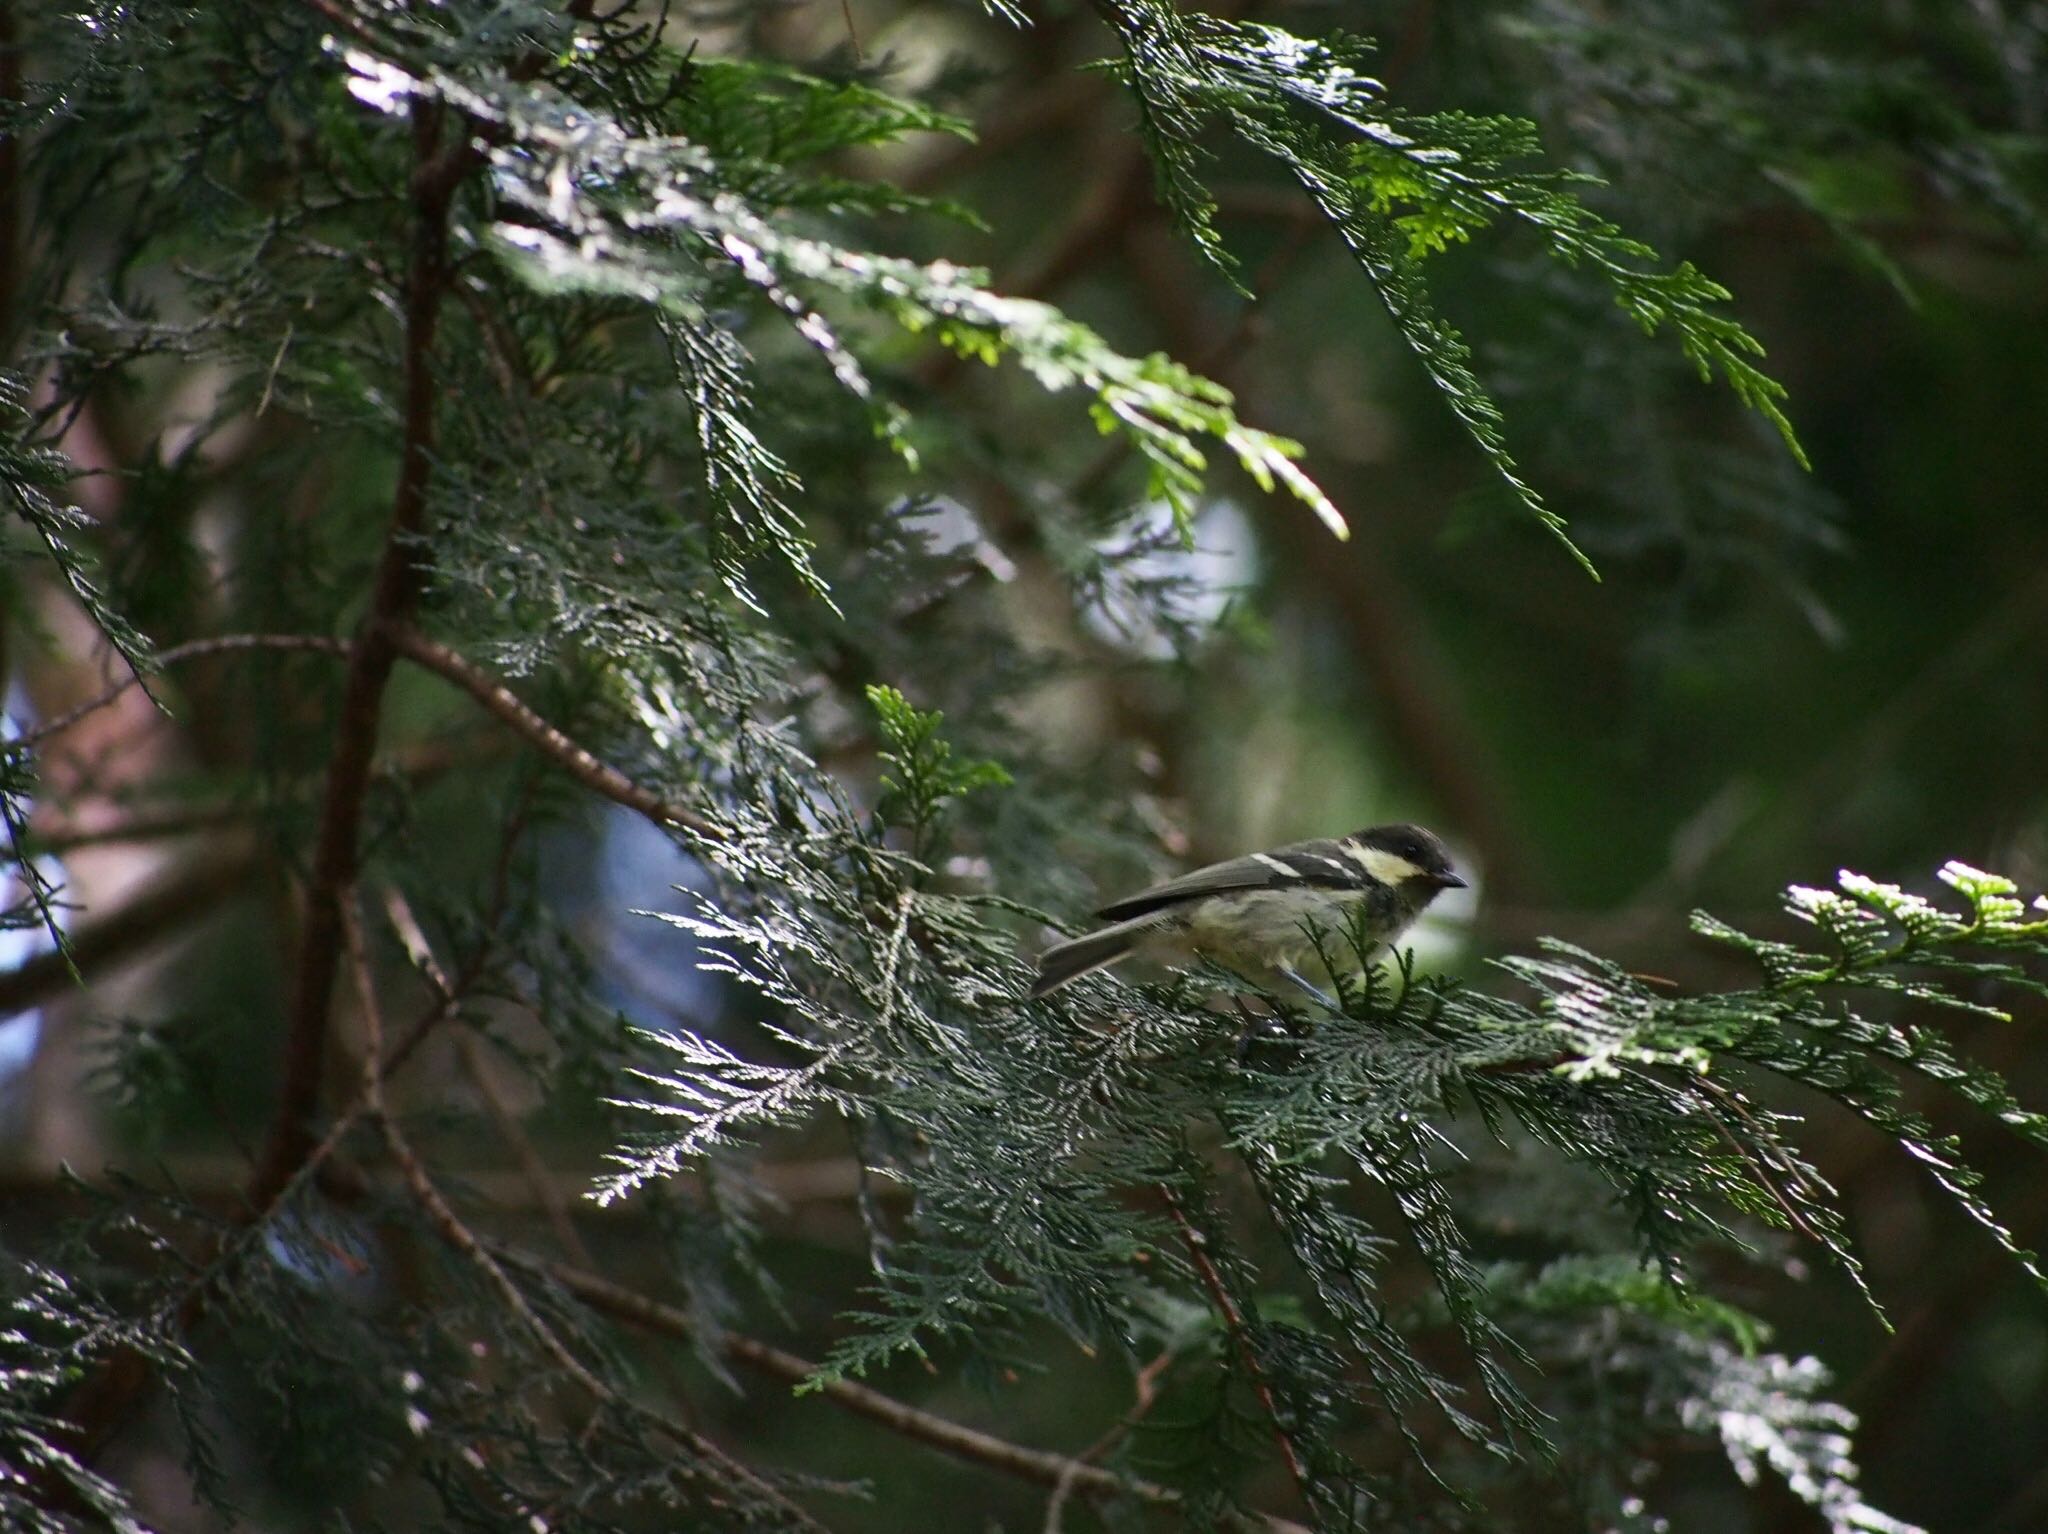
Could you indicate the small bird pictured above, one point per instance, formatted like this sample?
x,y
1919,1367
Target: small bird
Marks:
x,y
1255,914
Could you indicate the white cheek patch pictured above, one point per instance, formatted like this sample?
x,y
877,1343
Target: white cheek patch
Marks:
x,y
1387,867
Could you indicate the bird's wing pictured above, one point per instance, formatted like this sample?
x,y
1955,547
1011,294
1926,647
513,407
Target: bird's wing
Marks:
x,y
1302,863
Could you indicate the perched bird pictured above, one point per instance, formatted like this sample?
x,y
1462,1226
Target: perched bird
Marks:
x,y
1255,914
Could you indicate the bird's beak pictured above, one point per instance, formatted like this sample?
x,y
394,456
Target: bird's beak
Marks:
x,y
1450,882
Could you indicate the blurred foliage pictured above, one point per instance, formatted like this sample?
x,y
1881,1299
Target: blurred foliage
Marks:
x,y
694,389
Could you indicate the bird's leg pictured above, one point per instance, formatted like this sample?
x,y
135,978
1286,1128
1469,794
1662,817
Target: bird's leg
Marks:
x,y
1250,1033
1295,978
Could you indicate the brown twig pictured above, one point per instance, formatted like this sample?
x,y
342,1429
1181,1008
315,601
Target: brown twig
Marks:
x,y
1198,1253
1036,1465
501,702
192,649
99,1403
1761,1175
452,1229
477,1066
1144,1387
1731,1099
425,1194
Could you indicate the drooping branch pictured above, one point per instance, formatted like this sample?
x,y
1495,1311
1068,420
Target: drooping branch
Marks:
x,y
1036,1465
1227,1311
506,706
430,655
418,1182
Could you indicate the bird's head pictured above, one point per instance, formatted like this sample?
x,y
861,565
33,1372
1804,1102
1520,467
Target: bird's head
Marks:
x,y
1408,857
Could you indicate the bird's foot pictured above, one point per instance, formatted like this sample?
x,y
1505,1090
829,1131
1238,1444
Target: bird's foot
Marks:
x,y
1315,992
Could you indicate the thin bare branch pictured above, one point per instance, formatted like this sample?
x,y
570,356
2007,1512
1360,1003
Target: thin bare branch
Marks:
x,y
157,823
193,649
541,1184
501,702
1146,1390
1036,1465
1198,1252
436,1208
452,1229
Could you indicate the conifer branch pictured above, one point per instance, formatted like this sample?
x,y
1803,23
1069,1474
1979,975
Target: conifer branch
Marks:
x,y
96,1408
193,649
504,705
684,268
1037,1465
497,699
437,1209
476,1065
1197,1246
452,1229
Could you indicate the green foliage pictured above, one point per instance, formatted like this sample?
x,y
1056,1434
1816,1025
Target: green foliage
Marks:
x,y
1400,187
32,480
1694,1366
1573,1285
1652,1092
664,220
695,514
52,1334
926,774
32,477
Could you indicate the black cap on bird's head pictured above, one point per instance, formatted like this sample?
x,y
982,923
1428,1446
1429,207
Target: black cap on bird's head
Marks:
x,y
1404,854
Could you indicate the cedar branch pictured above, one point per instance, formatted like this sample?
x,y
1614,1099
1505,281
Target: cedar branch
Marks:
x,y
193,649
1198,1252
506,706
1036,1465
442,1216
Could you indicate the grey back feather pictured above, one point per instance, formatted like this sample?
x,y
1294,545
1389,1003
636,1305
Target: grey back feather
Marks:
x,y
1319,862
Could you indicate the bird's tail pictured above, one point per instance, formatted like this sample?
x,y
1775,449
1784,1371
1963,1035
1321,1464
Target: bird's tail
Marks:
x,y
1066,962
